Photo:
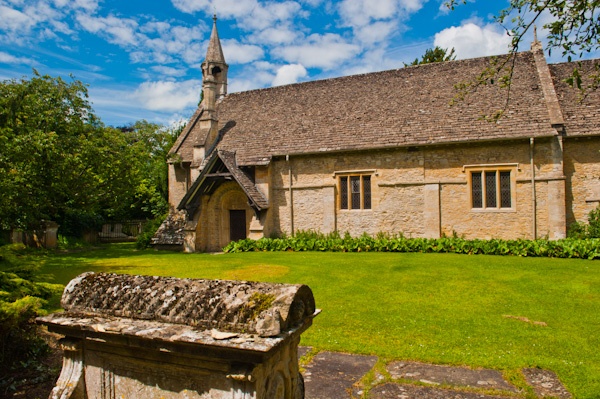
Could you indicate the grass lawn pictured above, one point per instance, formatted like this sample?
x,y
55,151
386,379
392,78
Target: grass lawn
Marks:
x,y
439,308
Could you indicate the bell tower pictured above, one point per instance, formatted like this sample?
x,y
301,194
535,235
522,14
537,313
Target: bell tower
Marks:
x,y
214,87
214,67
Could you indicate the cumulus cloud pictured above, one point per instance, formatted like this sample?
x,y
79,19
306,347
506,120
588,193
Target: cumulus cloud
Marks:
x,y
26,21
275,36
375,32
319,51
361,12
167,96
13,20
471,40
289,74
148,41
239,53
250,14
120,31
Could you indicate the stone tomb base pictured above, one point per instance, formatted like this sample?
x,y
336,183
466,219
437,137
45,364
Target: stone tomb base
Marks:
x,y
168,349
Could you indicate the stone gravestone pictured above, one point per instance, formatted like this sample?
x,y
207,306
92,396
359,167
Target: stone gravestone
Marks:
x,y
160,337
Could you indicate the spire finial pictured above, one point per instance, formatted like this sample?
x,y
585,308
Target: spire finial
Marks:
x,y
536,44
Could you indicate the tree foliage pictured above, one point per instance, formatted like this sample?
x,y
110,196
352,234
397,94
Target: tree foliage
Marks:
x,y
574,26
59,162
574,30
149,144
55,154
436,54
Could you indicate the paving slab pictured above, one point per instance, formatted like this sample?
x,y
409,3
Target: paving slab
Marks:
x,y
449,375
546,383
332,375
401,391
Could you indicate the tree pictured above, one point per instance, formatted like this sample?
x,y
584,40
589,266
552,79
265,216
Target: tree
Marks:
x,y
436,54
56,157
574,26
574,30
150,144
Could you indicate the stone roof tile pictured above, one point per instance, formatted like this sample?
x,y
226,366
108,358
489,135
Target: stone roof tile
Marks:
x,y
581,114
395,108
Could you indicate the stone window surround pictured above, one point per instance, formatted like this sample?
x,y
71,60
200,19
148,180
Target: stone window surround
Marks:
x,y
338,175
502,167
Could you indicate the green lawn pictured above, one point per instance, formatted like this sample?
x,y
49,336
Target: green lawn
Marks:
x,y
440,308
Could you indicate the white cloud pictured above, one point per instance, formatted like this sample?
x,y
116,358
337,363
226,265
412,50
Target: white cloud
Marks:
x,y
319,51
249,14
14,20
38,20
253,76
238,53
148,42
312,3
263,17
471,40
191,6
168,96
289,74
375,32
358,13
275,36
6,58
169,71
88,5
120,31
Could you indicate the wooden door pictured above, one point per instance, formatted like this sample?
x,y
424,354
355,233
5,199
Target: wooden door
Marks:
x,y
237,224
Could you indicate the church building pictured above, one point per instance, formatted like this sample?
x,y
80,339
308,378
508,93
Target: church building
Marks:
x,y
390,151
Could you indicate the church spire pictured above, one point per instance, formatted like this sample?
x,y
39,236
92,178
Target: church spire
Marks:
x,y
215,52
214,67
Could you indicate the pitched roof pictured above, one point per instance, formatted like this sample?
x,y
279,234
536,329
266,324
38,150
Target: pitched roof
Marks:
x,y
581,114
184,145
218,167
396,108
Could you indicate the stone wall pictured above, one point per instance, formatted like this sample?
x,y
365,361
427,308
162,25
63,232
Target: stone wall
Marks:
x,y
418,192
179,182
421,192
582,171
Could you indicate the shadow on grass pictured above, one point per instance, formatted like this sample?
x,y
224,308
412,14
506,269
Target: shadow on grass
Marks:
x,y
60,267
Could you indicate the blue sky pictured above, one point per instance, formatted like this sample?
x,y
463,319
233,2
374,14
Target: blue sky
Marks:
x,y
141,58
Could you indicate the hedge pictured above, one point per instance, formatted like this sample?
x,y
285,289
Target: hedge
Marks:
x,y
312,241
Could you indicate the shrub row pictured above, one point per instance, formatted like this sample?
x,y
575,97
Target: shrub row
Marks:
x,y
310,241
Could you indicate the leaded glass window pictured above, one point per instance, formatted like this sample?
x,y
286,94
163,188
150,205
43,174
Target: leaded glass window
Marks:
x,y
491,189
355,192
344,192
505,195
476,190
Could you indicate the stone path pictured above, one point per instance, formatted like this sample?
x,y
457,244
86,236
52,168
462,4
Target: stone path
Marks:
x,y
331,375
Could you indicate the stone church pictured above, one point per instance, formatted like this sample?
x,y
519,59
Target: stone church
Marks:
x,y
386,152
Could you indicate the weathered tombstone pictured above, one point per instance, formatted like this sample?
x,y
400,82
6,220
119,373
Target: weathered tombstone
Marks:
x,y
159,337
50,234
